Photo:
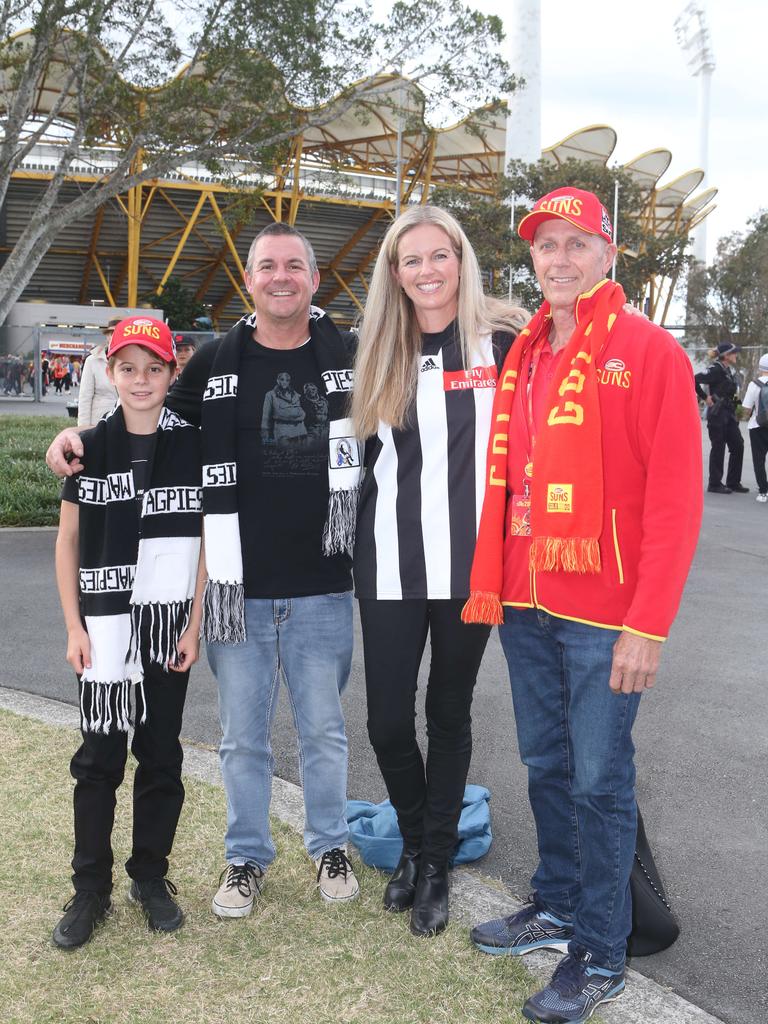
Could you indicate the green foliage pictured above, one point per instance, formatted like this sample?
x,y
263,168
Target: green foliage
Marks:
x,y
29,492
732,296
179,305
486,222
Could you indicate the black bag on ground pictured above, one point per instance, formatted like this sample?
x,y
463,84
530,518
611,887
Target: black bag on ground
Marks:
x,y
653,924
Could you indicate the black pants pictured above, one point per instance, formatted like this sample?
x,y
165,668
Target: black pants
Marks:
x,y
758,442
724,433
427,800
158,792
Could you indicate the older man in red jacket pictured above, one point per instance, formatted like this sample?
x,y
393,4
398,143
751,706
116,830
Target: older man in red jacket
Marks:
x,y
590,521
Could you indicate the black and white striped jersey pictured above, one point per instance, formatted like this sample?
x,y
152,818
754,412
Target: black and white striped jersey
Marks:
x,y
423,490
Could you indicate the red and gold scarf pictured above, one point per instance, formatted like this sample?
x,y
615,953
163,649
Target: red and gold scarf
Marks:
x,y
567,479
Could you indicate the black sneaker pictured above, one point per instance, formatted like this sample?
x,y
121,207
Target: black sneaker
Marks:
x,y
530,928
719,489
162,912
81,916
739,488
575,991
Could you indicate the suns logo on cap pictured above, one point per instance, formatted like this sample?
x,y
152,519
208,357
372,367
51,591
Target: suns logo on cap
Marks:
x,y
142,323
566,205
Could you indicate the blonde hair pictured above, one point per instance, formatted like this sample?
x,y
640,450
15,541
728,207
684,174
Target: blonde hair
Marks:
x,y
390,337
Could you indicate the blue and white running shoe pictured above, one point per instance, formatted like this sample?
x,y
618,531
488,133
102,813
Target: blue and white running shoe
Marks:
x,y
575,991
530,928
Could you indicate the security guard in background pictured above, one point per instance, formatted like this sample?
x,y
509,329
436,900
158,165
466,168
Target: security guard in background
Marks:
x,y
722,383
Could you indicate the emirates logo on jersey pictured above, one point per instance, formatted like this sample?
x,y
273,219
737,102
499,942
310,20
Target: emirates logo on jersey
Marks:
x,y
476,377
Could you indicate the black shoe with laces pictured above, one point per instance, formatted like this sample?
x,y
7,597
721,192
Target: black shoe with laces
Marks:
x,y
81,916
155,895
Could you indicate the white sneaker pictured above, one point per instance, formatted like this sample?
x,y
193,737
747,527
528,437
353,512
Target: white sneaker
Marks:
x,y
240,885
762,497
335,877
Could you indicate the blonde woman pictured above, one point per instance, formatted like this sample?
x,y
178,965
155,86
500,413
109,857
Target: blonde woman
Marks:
x,y
97,393
430,347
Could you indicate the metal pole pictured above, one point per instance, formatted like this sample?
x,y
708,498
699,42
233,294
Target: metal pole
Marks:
x,y
38,368
615,223
399,153
512,229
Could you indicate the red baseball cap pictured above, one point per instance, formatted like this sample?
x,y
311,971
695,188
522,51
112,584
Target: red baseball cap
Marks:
x,y
147,332
582,209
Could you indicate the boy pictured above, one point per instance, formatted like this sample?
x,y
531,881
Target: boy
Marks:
x,y
130,574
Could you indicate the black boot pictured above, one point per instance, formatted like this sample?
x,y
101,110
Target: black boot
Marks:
x,y
430,905
401,887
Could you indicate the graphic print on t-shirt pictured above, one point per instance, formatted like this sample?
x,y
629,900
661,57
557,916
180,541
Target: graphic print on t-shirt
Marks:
x,y
294,427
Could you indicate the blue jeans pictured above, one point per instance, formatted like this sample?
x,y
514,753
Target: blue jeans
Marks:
x,y
309,641
575,736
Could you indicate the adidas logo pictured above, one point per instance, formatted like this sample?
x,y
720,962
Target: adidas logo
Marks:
x,y
429,364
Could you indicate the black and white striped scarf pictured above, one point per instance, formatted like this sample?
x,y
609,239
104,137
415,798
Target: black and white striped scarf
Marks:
x,y
138,568
223,606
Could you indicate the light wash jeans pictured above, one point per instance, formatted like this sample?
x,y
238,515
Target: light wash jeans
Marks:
x,y
575,736
309,641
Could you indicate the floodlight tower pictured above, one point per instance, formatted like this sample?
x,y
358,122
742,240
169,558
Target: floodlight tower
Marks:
x,y
523,140
693,37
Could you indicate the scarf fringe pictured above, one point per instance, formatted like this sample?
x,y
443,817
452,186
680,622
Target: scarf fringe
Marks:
x,y
107,705
224,613
484,608
339,529
565,554
156,628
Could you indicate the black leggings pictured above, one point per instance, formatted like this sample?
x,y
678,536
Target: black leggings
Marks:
x,y
758,441
158,792
427,800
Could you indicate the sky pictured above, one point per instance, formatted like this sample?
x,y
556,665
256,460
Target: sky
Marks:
x,y
619,63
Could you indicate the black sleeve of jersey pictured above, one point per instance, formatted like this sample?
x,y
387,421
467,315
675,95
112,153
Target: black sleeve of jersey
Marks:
x,y
502,343
186,396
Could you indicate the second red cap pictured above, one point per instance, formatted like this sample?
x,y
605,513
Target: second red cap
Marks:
x,y
147,332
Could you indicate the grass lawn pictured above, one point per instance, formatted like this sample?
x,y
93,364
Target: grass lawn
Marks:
x,y
29,492
293,961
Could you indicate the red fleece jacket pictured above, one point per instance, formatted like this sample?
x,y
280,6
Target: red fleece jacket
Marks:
x,y
652,492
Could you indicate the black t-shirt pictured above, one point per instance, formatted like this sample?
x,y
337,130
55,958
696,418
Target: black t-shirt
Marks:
x,y
142,449
282,468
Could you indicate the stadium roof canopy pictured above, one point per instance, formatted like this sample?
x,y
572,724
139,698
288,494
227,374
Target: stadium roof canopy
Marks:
x,y
338,185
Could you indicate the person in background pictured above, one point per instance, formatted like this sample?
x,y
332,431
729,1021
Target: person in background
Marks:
x,y
97,392
59,373
185,349
758,432
430,343
722,383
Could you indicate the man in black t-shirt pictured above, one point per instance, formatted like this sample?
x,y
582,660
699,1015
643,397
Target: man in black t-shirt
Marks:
x,y
298,600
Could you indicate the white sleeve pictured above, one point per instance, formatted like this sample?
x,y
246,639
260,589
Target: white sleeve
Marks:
x,y
750,396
